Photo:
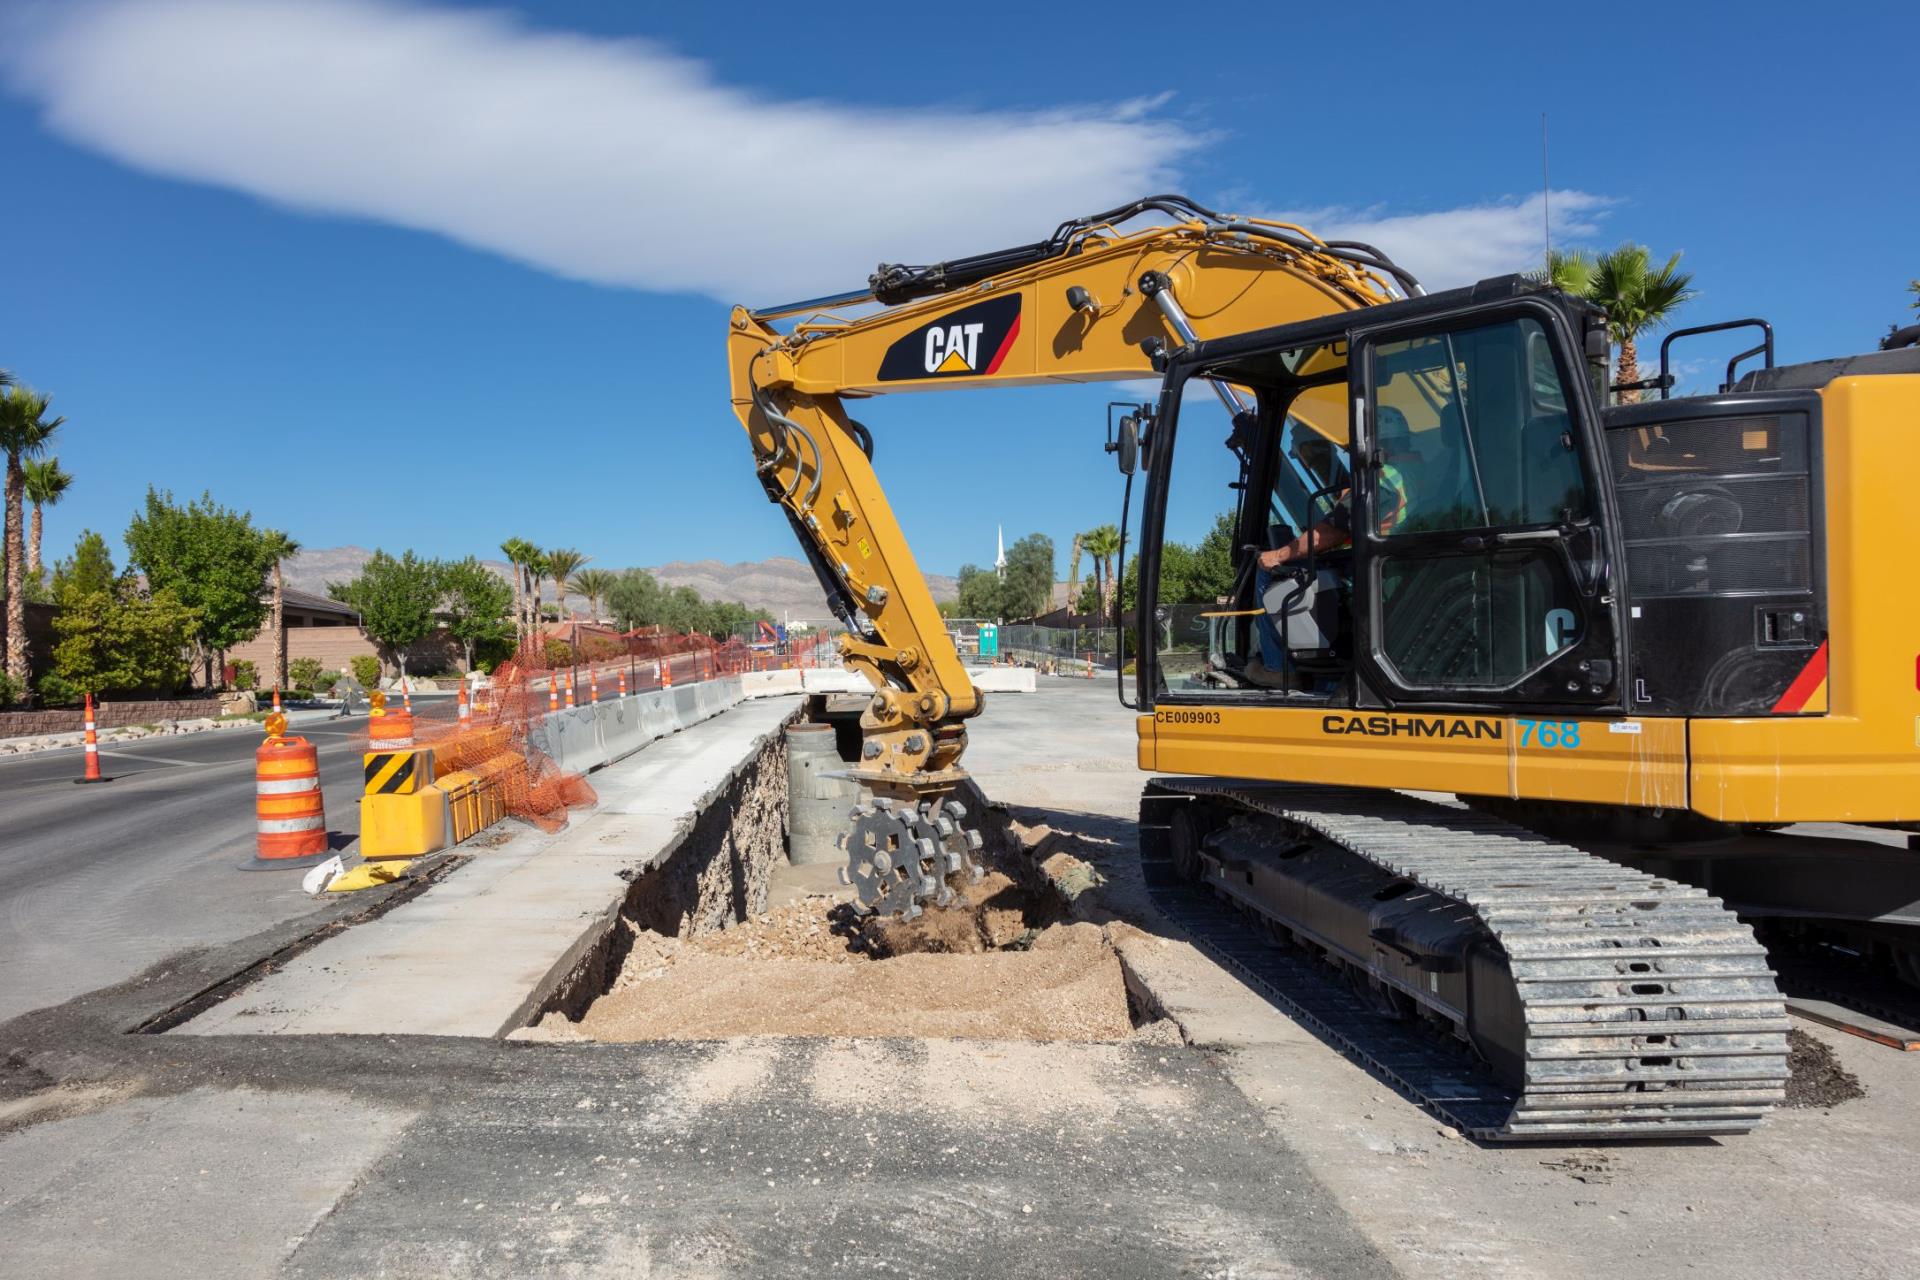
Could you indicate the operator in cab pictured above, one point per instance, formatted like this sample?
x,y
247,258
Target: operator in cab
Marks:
x,y
1270,667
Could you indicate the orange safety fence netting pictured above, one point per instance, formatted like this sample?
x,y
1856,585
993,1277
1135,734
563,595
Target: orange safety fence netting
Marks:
x,y
497,739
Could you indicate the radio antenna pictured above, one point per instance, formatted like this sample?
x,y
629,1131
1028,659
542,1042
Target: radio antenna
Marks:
x,y
1546,200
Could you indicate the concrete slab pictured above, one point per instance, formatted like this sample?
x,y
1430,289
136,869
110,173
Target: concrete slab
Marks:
x,y
463,958
209,1184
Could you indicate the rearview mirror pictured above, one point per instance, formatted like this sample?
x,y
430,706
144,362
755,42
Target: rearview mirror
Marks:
x,y
1127,445
1124,437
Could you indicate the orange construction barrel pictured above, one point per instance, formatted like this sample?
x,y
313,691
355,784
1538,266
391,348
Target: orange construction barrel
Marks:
x,y
288,807
392,731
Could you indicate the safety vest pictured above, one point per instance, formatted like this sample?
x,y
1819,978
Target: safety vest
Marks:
x,y
1391,496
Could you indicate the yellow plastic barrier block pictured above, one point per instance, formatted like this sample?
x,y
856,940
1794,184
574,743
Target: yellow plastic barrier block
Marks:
x,y
368,875
403,826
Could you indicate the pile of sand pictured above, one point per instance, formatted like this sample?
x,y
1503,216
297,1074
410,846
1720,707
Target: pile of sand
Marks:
x,y
990,967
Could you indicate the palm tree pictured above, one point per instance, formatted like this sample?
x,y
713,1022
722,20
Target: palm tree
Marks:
x,y
1103,544
1570,272
1073,573
519,553
25,430
594,584
282,548
46,485
538,567
562,563
1637,299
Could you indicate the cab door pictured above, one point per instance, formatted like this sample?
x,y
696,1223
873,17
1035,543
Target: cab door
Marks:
x,y
1482,576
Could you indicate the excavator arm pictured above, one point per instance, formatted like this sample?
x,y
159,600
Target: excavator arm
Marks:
x,y
1093,302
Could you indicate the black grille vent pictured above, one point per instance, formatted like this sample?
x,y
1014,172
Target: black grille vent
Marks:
x,y
1716,506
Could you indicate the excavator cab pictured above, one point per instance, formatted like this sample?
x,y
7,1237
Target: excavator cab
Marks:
x,y
1433,473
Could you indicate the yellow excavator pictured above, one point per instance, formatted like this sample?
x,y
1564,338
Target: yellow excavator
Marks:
x,y
1624,643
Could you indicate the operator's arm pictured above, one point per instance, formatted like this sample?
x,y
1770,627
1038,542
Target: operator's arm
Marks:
x,y
1324,536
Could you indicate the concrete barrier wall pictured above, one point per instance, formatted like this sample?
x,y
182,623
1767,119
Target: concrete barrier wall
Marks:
x,y
767,684
833,680
1004,679
585,738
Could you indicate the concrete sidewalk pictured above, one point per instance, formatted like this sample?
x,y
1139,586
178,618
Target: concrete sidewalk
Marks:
x,y
467,957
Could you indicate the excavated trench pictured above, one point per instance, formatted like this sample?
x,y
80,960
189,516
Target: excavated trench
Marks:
x,y
697,952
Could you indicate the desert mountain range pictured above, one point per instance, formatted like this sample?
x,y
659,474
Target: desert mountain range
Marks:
x,y
781,585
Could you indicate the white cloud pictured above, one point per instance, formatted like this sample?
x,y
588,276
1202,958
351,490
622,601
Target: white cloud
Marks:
x,y
613,161
1450,247
618,161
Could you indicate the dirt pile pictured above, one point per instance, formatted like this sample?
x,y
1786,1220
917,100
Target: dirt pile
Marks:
x,y
995,965
1815,1077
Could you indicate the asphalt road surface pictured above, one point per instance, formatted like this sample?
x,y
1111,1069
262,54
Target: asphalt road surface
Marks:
x,y
99,882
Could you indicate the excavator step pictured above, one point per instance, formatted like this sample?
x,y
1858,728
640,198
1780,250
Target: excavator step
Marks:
x,y
1632,1006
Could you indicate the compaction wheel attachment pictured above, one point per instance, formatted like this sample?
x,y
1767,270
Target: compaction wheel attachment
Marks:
x,y
900,855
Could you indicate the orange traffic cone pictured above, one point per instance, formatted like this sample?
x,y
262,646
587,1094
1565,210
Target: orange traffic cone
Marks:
x,y
666,672
553,690
406,695
276,699
466,708
593,685
92,773
623,682
1089,665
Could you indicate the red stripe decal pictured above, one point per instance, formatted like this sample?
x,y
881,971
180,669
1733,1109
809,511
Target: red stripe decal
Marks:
x,y
1803,684
1006,345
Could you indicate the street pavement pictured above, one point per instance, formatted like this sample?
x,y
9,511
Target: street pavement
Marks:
x,y
99,882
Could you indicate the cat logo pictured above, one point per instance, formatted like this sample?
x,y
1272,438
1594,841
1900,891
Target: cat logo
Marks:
x,y
953,348
971,342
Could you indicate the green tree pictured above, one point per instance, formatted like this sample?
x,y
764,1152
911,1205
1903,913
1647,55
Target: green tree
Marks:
x,y
395,599
476,601
1913,287
119,640
563,563
980,593
90,569
1027,580
635,599
25,432
1638,298
212,559
46,485
594,584
282,548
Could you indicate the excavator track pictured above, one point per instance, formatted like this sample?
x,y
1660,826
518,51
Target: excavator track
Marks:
x,y
1609,1003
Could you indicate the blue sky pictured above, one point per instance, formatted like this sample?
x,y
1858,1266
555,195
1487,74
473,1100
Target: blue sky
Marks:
x,y
418,276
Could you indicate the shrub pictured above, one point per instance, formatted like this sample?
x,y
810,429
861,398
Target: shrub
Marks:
x,y
304,673
559,654
366,669
245,675
323,683
58,692
9,689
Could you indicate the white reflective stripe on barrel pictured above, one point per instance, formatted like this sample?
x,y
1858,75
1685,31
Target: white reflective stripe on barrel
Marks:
x,y
277,826
383,744
285,786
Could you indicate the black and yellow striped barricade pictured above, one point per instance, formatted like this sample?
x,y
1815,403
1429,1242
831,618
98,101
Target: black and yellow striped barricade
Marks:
x,y
402,814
